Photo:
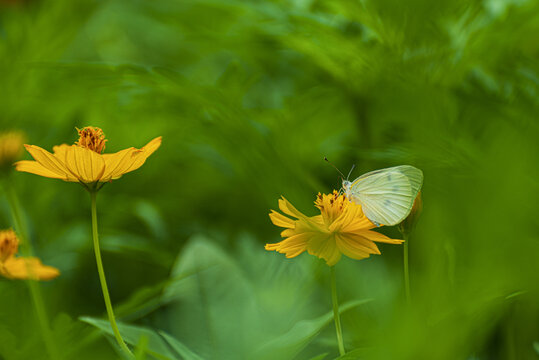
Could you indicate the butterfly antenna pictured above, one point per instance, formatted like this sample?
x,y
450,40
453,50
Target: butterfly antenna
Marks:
x,y
339,171
350,172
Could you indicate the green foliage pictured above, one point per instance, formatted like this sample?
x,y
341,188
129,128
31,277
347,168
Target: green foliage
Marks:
x,y
249,97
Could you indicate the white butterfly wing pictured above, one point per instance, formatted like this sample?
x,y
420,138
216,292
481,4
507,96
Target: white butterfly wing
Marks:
x,y
387,195
414,175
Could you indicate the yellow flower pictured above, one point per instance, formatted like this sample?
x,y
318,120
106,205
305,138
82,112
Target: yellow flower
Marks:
x,y
10,148
341,228
84,161
13,267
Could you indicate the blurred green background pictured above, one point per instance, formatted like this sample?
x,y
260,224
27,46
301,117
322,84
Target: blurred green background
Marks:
x,y
249,97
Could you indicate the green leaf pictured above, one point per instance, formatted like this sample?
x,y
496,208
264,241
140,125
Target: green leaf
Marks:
x,y
302,333
141,348
179,347
320,357
351,355
156,346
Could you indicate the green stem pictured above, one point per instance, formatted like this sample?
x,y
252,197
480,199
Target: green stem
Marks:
x,y
103,280
336,315
406,272
33,286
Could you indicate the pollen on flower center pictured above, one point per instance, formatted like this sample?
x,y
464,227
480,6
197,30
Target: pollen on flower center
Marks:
x,y
92,138
9,244
330,205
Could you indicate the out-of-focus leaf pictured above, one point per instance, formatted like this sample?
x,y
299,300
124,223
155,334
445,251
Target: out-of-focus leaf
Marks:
x,y
132,334
320,357
141,348
351,355
253,295
137,247
153,219
180,348
8,343
288,345
142,302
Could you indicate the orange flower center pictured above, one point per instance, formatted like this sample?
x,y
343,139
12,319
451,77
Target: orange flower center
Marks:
x,y
9,245
92,138
331,206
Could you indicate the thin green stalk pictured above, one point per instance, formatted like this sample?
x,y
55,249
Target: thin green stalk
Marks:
x,y
33,286
103,280
406,272
336,315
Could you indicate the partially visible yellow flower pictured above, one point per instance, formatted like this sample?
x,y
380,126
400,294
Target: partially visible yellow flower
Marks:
x,y
341,228
84,161
10,148
13,267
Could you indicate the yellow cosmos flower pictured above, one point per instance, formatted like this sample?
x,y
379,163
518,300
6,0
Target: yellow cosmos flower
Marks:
x,y
13,267
341,228
10,148
84,162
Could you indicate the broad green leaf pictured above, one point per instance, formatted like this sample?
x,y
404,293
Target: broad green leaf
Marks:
x,y
302,333
156,346
235,304
209,290
351,355
179,347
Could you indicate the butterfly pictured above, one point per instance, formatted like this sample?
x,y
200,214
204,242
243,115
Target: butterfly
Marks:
x,y
386,195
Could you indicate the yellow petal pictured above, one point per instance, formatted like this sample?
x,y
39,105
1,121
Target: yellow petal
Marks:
x,y
292,247
139,157
116,164
286,207
351,218
128,160
358,222
60,152
85,164
356,247
281,220
293,252
28,268
33,167
48,161
324,247
375,236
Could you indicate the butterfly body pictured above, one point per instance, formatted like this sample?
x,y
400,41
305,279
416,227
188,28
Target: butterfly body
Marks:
x,y
386,195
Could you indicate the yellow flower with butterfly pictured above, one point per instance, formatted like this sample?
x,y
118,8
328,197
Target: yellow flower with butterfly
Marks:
x,y
341,228
347,219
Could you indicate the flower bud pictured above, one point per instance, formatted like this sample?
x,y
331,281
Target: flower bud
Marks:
x,y
408,224
11,147
9,244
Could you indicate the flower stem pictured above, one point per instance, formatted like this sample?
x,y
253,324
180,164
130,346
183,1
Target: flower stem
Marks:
x,y
406,271
33,286
103,280
336,315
